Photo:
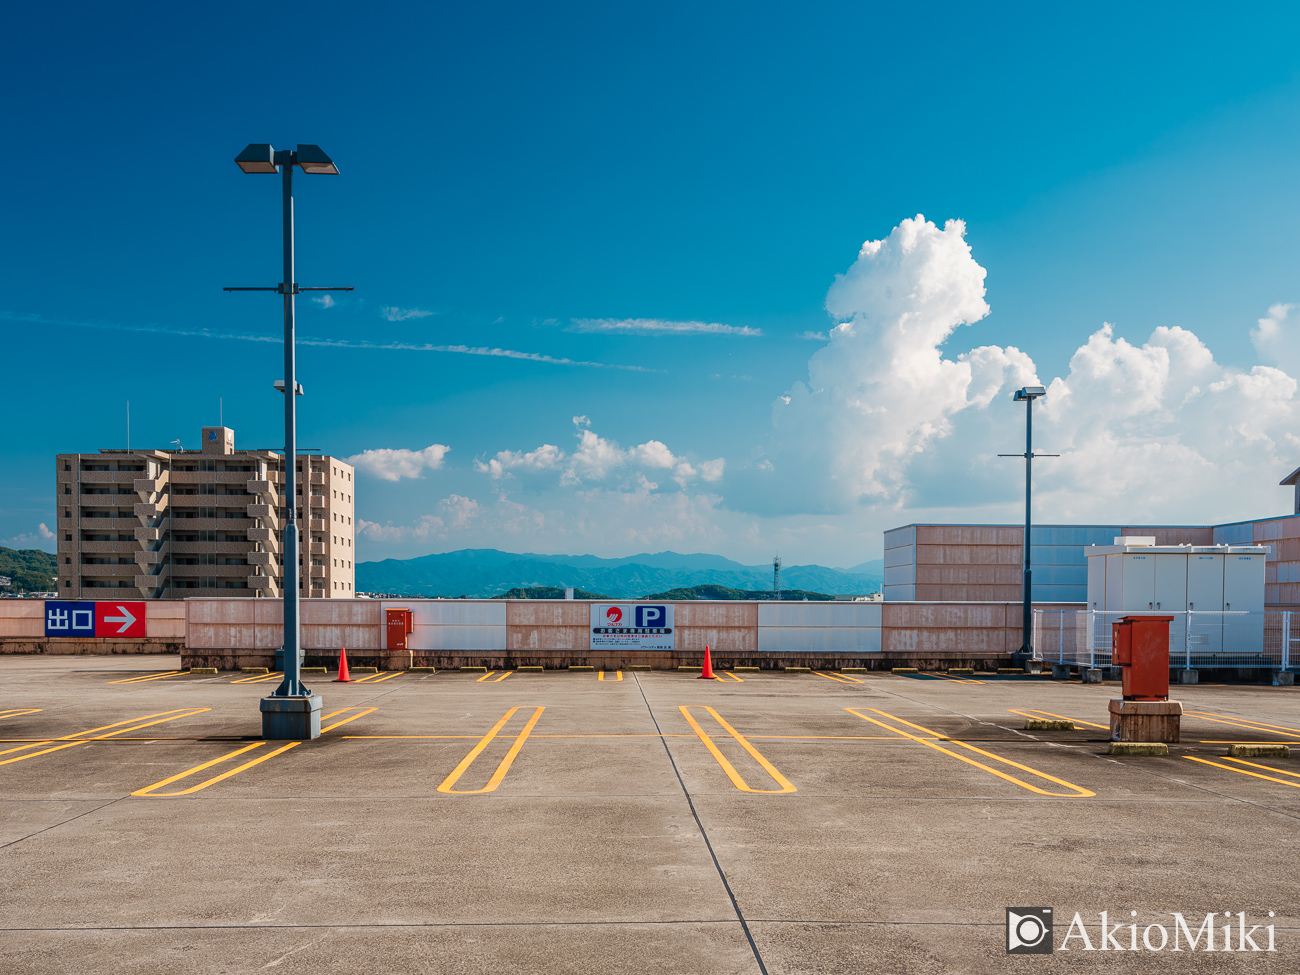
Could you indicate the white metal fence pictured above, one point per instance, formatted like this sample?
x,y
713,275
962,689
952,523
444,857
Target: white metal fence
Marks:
x,y
1082,638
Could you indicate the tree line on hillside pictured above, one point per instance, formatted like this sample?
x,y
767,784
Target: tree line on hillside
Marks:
x,y
29,569
680,594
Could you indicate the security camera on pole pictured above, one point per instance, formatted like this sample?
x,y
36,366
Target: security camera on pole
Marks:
x,y
1027,395
292,713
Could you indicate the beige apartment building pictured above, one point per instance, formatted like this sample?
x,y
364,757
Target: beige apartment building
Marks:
x,y
167,524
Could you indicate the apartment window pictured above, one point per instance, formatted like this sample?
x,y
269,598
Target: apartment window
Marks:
x,y
67,560
67,583
67,513
67,489
67,467
67,538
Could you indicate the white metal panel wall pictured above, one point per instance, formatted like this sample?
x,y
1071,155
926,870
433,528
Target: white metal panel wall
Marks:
x,y
1243,583
454,624
1114,583
820,627
1097,582
1139,582
1205,582
1171,582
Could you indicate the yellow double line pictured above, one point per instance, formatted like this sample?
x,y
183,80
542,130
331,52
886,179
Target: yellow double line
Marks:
x,y
1247,723
842,678
1242,771
494,680
1034,713
736,780
145,677
148,791
1077,792
618,676
499,775
78,739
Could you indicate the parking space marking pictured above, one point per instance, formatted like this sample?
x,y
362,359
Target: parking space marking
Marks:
x,y
378,678
729,677
148,791
841,678
499,775
955,680
19,712
1078,791
618,675
258,678
736,780
1249,725
68,739
1035,712
145,677
1242,771
361,713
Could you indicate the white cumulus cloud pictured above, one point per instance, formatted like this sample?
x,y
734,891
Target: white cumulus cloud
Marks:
x,y
325,301
891,420
658,326
394,314
393,464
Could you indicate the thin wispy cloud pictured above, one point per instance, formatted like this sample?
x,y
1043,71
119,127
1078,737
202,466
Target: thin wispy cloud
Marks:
x,y
657,326
325,301
814,336
403,314
479,350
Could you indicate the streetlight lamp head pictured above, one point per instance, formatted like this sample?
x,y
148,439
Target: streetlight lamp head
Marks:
x,y
313,160
259,157
1029,392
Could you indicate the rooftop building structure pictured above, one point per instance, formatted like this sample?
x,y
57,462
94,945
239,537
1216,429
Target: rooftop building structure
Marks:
x,y
167,524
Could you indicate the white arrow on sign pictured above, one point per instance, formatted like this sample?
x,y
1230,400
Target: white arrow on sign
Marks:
x,y
126,619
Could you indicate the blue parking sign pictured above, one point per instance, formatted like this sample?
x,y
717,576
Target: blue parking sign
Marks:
x,y
67,618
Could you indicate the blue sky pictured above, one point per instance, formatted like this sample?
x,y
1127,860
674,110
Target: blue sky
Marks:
x,y
534,178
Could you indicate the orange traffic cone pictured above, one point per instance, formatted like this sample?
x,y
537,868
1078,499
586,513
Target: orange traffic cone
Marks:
x,y
708,666
343,668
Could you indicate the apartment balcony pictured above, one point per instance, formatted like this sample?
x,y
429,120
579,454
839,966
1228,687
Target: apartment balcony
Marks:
x,y
265,489
318,525
108,571
266,559
319,501
103,548
152,558
318,478
146,535
319,548
124,525
260,511
147,512
98,496
149,485
319,571
102,477
264,583
149,583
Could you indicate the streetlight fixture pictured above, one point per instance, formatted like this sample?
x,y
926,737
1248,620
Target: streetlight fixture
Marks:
x,y
292,712
1027,395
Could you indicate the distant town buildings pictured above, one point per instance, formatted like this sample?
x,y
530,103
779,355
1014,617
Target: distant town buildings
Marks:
x,y
167,524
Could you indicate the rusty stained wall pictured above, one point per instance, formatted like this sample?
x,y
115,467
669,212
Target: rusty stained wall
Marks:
x,y
1282,567
559,625
258,624
955,627
726,627
968,563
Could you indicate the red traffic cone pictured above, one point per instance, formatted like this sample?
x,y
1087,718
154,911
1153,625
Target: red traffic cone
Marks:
x,y
343,668
708,666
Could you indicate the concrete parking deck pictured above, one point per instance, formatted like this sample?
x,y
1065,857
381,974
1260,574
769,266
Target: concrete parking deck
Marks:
x,y
623,822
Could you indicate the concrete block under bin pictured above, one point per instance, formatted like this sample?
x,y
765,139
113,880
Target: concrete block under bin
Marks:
x,y
291,718
1145,720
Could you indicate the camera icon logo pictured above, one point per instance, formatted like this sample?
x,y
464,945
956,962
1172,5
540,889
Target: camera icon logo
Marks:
x,y
1029,930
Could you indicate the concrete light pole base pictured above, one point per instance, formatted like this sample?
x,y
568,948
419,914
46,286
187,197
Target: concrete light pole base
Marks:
x,y
291,718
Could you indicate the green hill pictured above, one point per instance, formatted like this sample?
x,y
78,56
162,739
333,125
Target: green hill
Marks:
x,y
722,592
546,592
30,569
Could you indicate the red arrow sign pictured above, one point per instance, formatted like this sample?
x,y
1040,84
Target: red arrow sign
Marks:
x,y
120,619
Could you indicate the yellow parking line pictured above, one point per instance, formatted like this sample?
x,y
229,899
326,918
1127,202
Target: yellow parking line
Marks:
x,y
148,790
1242,771
360,714
726,676
618,676
1203,741
1033,712
479,680
137,680
957,680
1266,768
494,680
842,678
1078,791
258,678
736,780
20,712
1249,725
499,775
377,678
161,716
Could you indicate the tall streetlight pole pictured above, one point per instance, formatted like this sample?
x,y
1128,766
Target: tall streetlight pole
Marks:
x,y
292,712
1027,395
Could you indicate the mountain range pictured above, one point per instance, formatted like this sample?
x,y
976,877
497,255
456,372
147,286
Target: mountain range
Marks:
x,y
486,572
